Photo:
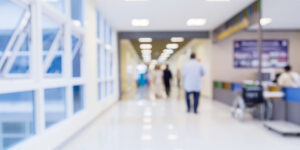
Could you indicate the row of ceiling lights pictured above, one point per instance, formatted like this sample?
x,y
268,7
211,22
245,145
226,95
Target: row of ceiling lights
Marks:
x,y
146,48
189,22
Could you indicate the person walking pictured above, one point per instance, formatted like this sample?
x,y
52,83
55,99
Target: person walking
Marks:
x,y
192,73
157,82
167,79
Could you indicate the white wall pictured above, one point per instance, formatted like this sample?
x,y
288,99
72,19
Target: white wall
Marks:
x,y
222,60
60,132
129,61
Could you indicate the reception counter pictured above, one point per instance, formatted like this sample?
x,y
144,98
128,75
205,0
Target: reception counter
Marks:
x,y
287,108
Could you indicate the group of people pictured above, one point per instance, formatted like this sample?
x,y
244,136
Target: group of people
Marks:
x,y
192,73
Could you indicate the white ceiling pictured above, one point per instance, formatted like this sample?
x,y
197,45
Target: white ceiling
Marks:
x,y
285,14
169,15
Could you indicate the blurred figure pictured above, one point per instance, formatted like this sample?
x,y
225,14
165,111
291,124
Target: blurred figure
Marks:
x,y
192,74
157,81
289,78
167,79
178,78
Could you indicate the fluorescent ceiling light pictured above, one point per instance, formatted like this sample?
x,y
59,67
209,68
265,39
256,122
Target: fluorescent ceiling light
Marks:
x,y
140,22
196,22
145,40
177,39
169,51
146,55
146,51
265,21
145,46
172,46
218,0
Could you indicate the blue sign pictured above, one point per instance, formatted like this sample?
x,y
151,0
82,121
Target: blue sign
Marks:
x,y
274,53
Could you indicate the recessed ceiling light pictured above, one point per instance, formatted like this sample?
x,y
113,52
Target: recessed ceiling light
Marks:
x,y
177,39
146,51
146,137
196,22
145,46
172,137
265,21
145,40
218,0
147,127
172,46
170,51
140,22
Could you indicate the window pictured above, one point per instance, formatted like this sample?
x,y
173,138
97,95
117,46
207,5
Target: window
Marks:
x,y
58,4
99,91
99,31
78,98
99,51
77,12
76,55
17,117
15,40
55,106
53,47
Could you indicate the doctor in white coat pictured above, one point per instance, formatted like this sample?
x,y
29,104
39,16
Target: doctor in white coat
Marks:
x,y
192,73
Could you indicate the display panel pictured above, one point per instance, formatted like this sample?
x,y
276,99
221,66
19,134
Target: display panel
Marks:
x,y
274,53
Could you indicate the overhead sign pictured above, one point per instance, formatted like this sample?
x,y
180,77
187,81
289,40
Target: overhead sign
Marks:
x,y
274,53
245,18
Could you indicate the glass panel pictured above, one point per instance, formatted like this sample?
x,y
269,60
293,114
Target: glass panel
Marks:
x,y
16,117
55,107
105,89
21,65
77,11
78,98
111,65
58,4
52,47
99,60
105,32
99,24
105,63
99,91
76,54
14,39
112,88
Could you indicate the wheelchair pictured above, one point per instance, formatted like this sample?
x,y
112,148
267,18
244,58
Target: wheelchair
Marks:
x,y
251,101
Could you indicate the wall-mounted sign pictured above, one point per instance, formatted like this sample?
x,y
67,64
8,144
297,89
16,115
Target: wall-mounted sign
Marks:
x,y
274,53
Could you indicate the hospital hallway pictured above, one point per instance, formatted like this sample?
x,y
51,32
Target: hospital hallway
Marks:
x,y
141,123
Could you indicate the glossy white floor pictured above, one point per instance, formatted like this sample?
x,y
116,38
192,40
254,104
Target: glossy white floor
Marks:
x,y
164,125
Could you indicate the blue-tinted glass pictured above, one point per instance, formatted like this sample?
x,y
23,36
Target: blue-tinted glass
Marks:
x,y
99,91
111,87
56,66
111,65
99,60
52,46
15,17
78,98
105,63
106,89
48,37
58,4
17,117
77,10
105,32
98,24
76,54
110,36
55,107
21,65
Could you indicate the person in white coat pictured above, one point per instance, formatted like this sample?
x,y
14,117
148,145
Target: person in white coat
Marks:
x,y
192,73
289,78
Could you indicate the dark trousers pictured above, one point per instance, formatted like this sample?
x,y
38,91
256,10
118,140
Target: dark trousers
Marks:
x,y
196,100
168,88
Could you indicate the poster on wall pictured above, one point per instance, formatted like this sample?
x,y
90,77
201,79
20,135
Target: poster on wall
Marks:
x,y
274,53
